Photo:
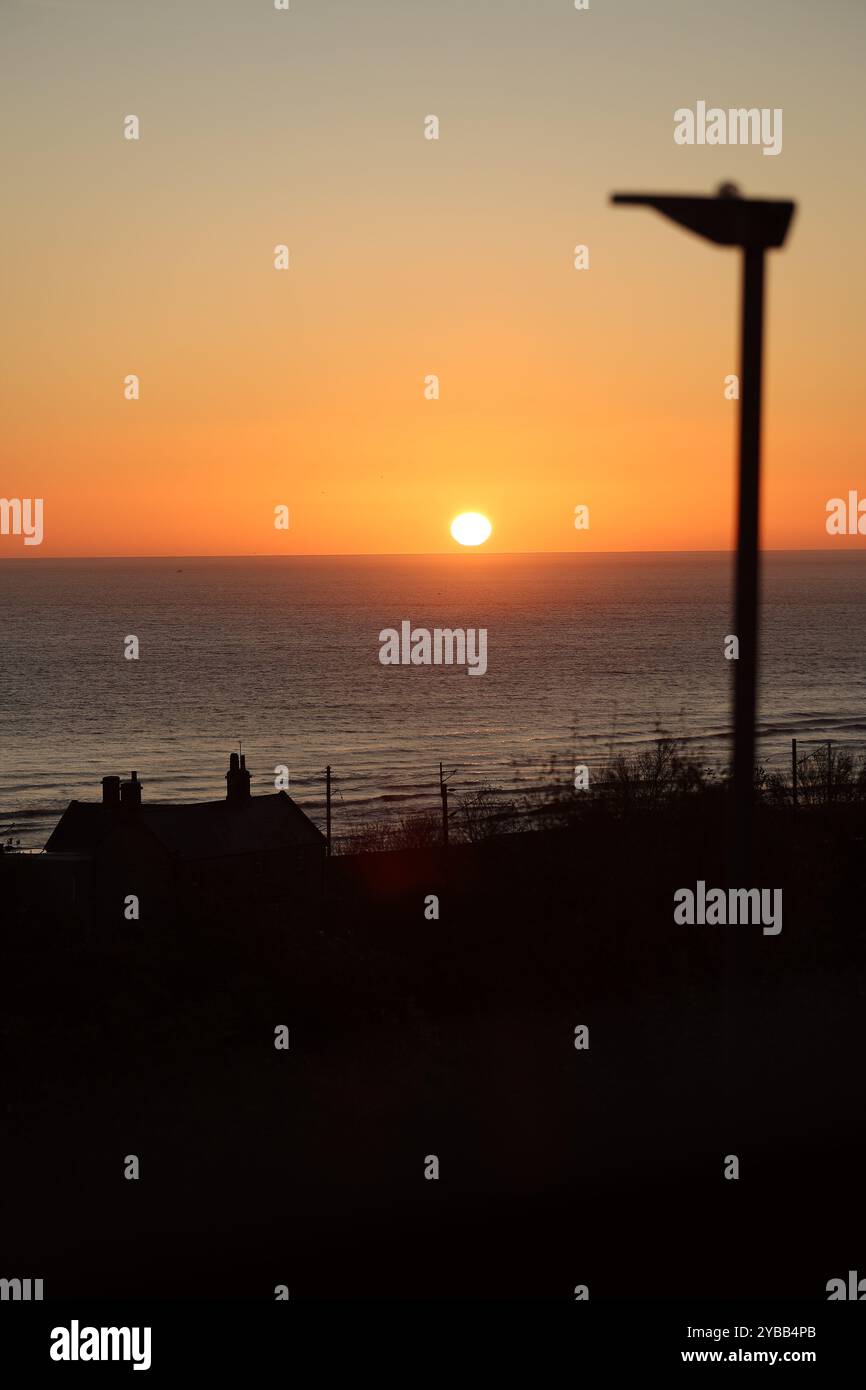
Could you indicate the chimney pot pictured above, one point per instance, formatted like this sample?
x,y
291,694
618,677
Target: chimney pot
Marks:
x,y
111,791
237,780
130,792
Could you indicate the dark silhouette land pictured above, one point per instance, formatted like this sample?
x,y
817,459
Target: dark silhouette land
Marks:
x,y
413,1035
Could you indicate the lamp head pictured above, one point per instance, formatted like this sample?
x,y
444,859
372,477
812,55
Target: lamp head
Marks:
x,y
727,219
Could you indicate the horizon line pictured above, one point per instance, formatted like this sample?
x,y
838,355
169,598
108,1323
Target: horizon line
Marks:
x,y
432,554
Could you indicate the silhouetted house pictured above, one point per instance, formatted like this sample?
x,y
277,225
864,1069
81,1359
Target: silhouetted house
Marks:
x,y
198,858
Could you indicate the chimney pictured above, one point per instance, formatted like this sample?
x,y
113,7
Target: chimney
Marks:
x,y
237,781
111,791
130,792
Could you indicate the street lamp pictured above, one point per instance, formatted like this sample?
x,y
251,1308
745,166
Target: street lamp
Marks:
x,y
756,225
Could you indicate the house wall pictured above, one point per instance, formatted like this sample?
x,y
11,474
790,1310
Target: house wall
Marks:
x,y
130,861
285,876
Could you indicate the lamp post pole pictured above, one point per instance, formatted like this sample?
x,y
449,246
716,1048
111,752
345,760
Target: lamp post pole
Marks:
x,y
753,225
748,559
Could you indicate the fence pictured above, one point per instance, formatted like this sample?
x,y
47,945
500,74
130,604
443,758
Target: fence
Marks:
x,y
829,772
821,771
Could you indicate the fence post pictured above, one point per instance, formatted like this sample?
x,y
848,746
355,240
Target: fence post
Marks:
x,y
794,771
443,791
328,811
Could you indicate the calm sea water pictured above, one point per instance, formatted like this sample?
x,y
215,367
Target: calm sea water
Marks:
x,y
583,652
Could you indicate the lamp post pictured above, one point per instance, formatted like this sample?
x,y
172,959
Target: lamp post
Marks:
x,y
755,225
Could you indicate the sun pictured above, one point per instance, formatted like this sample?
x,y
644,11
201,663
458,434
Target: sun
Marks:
x,y
470,528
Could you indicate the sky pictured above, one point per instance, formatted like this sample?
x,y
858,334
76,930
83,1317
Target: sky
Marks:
x,y
410,257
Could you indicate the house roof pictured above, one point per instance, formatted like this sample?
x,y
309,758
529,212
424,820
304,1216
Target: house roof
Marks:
x,y
200,830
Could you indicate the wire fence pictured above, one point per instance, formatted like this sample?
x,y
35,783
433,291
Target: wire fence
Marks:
x,y
818,772
827,770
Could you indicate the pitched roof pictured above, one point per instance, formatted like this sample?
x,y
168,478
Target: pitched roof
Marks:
x,y
200,830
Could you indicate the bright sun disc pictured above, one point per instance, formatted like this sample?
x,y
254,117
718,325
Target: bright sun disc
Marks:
x,y
470,528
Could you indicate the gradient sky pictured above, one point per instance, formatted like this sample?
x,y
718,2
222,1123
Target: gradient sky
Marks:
x,y
411,257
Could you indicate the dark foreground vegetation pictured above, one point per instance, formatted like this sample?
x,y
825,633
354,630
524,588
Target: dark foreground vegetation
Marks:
x,y
660,775
412,1035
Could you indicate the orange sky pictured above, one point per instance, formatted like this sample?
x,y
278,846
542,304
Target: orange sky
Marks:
x,y
411,257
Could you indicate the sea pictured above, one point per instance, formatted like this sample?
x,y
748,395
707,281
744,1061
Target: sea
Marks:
x,y
279,657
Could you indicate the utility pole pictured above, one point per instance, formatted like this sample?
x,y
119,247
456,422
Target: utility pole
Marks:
x,y
794,772
328,811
